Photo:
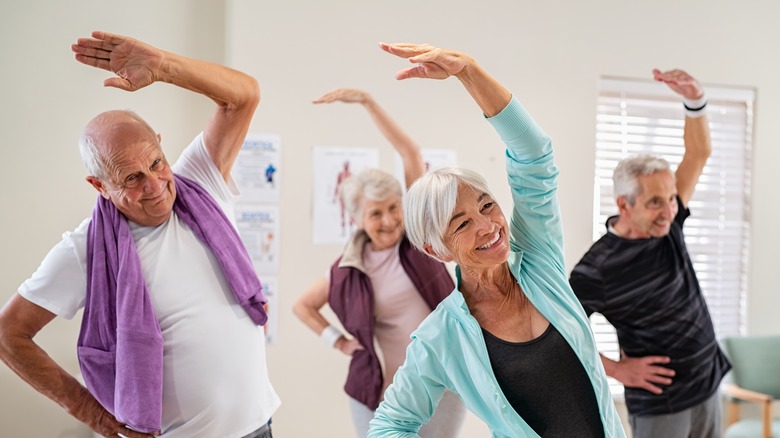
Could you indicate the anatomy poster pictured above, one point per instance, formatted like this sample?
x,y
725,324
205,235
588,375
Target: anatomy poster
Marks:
x,y
258,226
256,173
258,167
332,165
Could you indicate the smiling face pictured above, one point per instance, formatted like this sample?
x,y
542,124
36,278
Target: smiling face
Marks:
x,y
477,235
383,222
138,181
654,208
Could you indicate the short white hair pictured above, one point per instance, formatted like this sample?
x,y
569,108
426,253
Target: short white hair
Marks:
x,y
90,152
91,157
629,169
371,184
430,203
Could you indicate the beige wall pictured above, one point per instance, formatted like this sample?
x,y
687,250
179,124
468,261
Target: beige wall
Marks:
x,y
550,54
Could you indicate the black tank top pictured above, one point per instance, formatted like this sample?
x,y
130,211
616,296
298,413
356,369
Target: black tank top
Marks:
x,y
546,384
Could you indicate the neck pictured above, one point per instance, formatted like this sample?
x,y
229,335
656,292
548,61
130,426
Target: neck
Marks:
x,y
475,284
622,227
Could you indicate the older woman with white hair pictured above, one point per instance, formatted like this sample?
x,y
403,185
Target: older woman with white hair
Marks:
x,y
512,340
381,288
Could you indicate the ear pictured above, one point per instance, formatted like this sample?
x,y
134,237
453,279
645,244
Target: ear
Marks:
x,y
98,185
623,205
159,138
429,250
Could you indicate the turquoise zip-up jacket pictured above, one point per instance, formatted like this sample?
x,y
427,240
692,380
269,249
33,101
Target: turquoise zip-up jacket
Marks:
x,y
448,350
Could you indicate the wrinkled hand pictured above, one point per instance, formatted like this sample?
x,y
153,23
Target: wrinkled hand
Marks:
x,y
644,373
135,63
433,63
680,82
101,421
348,346
124,431
347,95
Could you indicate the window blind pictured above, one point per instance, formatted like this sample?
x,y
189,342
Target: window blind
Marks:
x,y
646,117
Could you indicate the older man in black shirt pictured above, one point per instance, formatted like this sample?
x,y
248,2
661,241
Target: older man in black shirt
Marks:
x,y
640,277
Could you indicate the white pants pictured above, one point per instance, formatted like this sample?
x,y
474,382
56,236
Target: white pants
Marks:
x,y
445,423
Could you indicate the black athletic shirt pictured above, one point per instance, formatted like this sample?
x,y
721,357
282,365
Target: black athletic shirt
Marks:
x,y
546,384
647,289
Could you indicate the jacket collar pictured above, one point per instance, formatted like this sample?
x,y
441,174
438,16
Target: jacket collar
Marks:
x,y
353,251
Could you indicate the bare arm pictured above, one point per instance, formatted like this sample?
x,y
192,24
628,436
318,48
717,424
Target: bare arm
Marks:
x,y
696,135
138,65
639,372
20,321
307,309
435,63
414,166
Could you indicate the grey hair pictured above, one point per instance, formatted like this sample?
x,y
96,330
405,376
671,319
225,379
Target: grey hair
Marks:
x,y
91,155
430,203
371,184
629,169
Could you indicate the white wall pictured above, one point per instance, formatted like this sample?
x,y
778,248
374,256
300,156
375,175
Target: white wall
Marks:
x,y
47,98
550,54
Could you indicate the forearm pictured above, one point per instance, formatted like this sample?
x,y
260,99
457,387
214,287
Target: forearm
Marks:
x,y
20,321
697,138
24,357
697,151
381,428
489,94
414,166
385,425
229,88
610,366
412,398
236,95
532,176
312,318
307,306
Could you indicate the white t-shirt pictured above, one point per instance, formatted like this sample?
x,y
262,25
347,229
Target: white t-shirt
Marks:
x,y
215,378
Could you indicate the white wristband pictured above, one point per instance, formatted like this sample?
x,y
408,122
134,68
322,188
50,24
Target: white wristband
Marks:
x,y
696,107
330,335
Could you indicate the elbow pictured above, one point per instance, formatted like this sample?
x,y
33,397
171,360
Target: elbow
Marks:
x,y
300,310
296,309
7,340
245,96
5,336
702,154
253,92
705,150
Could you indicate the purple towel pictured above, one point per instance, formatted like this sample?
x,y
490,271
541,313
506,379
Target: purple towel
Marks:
x,y
120,346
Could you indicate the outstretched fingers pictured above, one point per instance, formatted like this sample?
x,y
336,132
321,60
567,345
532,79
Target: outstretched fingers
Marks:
x,y
92,52
100,42
431,62
425,71
406,50
108,38
680,82
326,98
672,76
347,95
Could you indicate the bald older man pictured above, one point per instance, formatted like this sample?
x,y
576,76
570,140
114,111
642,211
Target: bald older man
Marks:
x,y
170,342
